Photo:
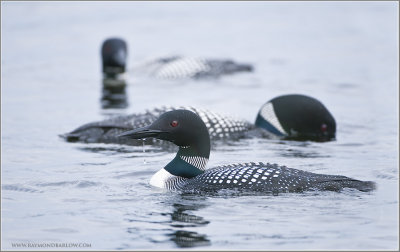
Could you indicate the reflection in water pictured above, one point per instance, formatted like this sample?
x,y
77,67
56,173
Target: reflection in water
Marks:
x,y
114,93
172,226
184,219
186,239
108,149
296,149
181,219
301,154
283,148
136,151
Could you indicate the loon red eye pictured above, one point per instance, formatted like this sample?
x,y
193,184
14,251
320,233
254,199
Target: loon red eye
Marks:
x,y
174,123
324,127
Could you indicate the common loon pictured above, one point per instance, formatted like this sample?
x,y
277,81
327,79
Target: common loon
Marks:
x,y
114,53
187,171
296,117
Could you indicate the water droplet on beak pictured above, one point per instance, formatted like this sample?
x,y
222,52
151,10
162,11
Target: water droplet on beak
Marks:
x,y
144,150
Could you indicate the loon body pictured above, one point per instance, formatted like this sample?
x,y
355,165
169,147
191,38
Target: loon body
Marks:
x,y
178,67
295,117
219,127
258,177
187,173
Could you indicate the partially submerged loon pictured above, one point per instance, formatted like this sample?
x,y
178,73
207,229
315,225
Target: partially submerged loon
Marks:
x,y
296,117
114,54
187,171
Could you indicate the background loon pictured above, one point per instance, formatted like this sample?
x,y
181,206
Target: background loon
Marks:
x,y
186,172
295,117
220,127
114,54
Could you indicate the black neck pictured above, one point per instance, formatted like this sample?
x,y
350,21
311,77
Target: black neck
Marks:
x,y
201,149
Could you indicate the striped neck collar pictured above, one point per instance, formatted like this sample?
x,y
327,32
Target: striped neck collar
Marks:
x,y
187,163
196,161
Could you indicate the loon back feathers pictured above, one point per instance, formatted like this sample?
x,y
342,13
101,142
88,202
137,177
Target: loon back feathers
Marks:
x,y
178,67
183,68
219,127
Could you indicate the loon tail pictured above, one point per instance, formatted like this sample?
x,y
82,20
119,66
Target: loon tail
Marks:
x,y
339,184
364,186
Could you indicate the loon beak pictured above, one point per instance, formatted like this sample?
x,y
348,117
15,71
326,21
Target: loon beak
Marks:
x,y
141,133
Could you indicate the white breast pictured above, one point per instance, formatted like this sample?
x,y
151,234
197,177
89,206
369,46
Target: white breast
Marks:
x,y
160,178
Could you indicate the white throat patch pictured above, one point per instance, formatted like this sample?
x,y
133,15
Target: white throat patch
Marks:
x,y
268,113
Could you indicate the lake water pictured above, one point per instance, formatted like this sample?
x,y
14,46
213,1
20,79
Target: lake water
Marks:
x,y
97,196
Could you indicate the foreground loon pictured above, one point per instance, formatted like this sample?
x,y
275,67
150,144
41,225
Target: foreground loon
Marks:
x,y
187,173
114,54
296,117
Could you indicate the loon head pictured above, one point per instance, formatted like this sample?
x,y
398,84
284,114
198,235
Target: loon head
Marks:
x,y
185,129
297,117
114,54
181,127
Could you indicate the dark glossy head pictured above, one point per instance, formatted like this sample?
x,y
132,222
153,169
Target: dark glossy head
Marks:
x,y
297,117
181,127
114,53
